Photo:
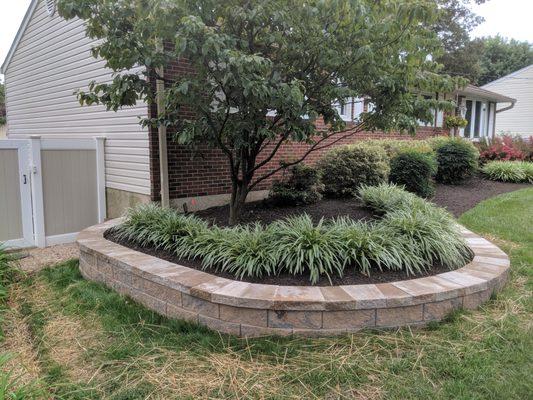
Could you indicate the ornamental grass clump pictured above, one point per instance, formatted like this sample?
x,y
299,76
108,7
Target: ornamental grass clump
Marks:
x,y
301,246
432,235
373,245
244,251
151,225
509,171
387,197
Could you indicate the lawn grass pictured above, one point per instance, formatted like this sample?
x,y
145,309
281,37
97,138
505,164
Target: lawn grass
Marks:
x,y
83,341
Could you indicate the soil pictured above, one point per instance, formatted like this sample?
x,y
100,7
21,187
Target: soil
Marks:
x,y
456,198
460,198
266,213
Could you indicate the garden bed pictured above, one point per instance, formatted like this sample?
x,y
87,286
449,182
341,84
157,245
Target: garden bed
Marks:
x,y
455,198
248,309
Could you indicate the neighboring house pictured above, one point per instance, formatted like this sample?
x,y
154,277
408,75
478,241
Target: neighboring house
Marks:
x,y
70,180
519,85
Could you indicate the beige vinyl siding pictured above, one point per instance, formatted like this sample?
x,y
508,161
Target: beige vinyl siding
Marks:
x,y
519,85
127,163
52,61
10,209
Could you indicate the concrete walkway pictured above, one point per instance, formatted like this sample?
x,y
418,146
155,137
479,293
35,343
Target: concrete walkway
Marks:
x,y
37,259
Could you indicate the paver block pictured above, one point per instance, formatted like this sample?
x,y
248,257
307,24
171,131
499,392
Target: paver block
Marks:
x,y
440,309
249,316
218,325
349,319
295,319
202,307
398,316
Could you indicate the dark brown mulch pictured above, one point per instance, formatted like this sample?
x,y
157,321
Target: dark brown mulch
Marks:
x,y
456,198
262,211
351,275
460,198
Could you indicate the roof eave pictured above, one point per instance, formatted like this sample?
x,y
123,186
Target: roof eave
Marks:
x,y
20,32
489,95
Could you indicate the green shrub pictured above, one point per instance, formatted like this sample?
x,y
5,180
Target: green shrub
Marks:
x,y
412,235
302,187
393,147
509,171
414,170
346,168
457,160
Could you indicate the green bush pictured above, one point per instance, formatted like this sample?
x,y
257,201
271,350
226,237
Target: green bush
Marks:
x,y
346,168
509,171
457,160
414,170
411,236
393,147
302,187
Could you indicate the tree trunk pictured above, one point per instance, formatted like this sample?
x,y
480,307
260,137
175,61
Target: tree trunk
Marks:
x,y
238,199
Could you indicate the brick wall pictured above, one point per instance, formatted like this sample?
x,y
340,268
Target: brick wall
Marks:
x,y
205,171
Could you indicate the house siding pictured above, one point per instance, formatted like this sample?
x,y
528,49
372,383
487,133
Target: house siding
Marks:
x,y
519,119
51,62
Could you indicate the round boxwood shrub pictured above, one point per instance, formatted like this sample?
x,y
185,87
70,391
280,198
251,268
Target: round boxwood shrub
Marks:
x,y
346,168
414,170
302,187
457,160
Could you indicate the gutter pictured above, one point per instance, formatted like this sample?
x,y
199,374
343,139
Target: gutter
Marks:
x,y
506,108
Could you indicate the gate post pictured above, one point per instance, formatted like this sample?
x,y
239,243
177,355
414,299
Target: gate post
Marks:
x,y
100,178
37,191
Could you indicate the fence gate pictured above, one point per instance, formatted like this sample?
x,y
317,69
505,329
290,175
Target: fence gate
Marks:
x,y
50,189
16,222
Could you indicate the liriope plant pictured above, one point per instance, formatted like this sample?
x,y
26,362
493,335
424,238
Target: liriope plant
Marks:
x,y
411,236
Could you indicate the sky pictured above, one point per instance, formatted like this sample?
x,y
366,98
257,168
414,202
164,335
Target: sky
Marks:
x,y
509,18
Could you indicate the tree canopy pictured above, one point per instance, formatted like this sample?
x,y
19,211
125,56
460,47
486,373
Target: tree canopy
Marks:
x,y
266,70
502,56
454,23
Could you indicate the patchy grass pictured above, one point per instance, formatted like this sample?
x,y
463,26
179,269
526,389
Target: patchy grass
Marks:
x,y
88,342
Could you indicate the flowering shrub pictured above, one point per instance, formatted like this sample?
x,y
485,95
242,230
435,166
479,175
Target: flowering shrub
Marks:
x,y
506,148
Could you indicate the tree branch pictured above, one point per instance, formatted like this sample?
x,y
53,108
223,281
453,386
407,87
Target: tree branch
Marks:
x,y
315,147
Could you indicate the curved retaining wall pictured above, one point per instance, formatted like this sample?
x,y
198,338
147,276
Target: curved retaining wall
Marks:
x,y
248,309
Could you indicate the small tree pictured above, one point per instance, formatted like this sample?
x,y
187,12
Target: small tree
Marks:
x,y
265,70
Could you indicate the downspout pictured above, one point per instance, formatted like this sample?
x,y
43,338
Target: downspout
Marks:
x,y
162,139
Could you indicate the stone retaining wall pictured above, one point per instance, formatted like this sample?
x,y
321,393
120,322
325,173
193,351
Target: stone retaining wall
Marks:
x,y
247,309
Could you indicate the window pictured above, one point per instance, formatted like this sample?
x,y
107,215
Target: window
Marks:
x,y
345,110
51,6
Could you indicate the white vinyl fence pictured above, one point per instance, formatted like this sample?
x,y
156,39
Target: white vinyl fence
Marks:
x,y
50,189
